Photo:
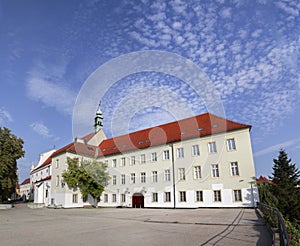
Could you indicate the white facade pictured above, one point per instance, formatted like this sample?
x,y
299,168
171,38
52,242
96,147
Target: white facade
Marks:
x,y
225,178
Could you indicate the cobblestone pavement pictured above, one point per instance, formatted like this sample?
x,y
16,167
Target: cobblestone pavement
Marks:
x,y
128,226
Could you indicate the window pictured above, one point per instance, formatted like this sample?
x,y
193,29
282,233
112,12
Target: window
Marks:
x,y
217,196
132,178
182,196
106,162
180,153
197,172
57,181
57,163
166,155
105,198
212,147
153,156
199,196
132,160
181,173
234,168
154,197
154,176
231,144
47,193
123,162
114,162
215,170
123,198
143,158
84,198
167,196
123,179
114,198
195,150
143,177
167,175
75,198
237,195
114,179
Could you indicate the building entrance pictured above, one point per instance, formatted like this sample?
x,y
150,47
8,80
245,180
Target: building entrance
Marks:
x,y
137,200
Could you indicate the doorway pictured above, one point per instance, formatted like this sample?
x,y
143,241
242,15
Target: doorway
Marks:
x,y
137,200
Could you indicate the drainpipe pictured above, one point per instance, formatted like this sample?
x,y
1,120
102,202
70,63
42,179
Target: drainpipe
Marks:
x,y
173,171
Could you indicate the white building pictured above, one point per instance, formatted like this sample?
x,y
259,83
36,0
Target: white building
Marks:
x,y
202,161
25,189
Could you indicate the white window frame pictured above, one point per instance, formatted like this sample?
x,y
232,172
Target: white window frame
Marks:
x,y
143,177
154,177
123,179
217,196
166,155
199,195
180,152
231,146
167,196
123,162
132,178
143,158
215,171
153,156
237,196
105,198
123,198
197,172
154,197
114,179
167,175
181,173
195,150
212,147
75,198
132,160
114,162
182,196
234,167
114,198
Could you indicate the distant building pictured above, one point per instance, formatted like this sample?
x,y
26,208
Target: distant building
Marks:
x,y
202,161
25,189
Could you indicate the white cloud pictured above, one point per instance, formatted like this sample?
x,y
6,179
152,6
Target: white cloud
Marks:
x,y
5,116
277,147
46,86
41,129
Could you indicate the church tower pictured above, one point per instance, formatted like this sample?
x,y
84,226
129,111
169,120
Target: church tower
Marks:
x,y
98,120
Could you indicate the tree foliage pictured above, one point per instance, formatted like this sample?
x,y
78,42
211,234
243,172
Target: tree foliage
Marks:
x,y
286,178
11,149
90,177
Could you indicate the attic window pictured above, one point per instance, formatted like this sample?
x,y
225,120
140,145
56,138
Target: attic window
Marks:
x,y
103,150
147,141
90,148
200,129
183,133
215,125
124,145
115,147
140,142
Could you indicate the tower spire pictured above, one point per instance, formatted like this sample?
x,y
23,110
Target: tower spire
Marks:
x,y
98,119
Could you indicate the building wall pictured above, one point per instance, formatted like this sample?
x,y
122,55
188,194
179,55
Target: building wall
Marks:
x,y
226,184
25,191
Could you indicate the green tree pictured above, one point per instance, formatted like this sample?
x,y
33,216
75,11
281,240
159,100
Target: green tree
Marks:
x,y
11,149
286,178
89,176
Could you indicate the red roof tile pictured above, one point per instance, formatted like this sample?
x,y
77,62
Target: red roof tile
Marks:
x,y
201,125
26,181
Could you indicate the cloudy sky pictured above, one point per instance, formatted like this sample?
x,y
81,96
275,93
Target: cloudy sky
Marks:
x,y
249,51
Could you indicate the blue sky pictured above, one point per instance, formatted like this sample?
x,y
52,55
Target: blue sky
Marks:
x,y
248,49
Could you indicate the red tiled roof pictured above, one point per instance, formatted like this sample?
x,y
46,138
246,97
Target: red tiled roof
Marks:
x,y
43,179
77,148
201,125
88,137
263,179
26,181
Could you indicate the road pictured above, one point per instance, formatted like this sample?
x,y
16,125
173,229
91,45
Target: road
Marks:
x,y
128,226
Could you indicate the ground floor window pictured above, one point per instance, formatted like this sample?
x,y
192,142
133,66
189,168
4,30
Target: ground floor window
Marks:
x,y
182,196
237,195
199,196
84,198
167,196
123,198
217,196
114,198
75,198
154,197
105,198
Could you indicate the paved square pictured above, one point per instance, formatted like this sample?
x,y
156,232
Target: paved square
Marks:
x,y
128,226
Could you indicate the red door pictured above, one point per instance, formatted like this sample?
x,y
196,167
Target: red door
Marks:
x,y
137,200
